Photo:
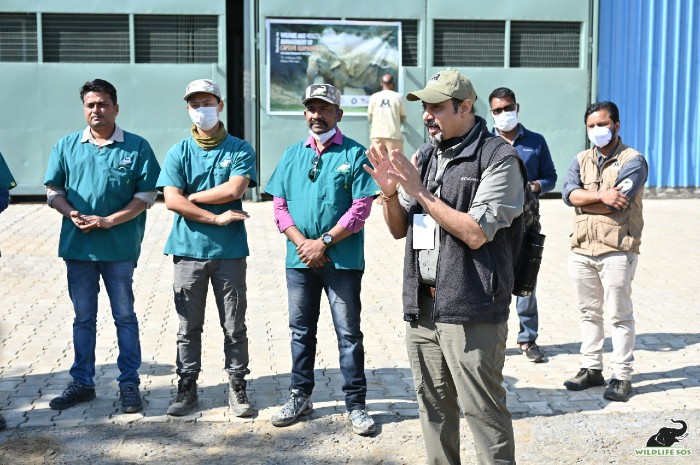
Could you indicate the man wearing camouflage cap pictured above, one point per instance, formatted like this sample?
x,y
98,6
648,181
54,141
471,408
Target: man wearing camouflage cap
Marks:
x,y
203,179
322,197
459,209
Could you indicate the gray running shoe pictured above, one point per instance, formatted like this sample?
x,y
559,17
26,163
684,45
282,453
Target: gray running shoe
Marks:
x,y
362,423
298,404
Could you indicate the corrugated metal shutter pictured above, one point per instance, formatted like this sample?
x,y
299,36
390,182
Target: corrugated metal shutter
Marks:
x,y
649,65
18,37
82,38
176,39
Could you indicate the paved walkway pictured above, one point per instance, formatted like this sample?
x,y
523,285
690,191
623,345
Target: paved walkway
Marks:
x,y
36,350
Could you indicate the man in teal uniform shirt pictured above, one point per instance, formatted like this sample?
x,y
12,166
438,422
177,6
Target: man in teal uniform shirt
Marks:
x,y
203,179
7,182
101,180
322,197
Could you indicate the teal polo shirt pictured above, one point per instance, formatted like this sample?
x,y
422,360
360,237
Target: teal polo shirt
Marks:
x,y
6,179
193,169
316,206
100,181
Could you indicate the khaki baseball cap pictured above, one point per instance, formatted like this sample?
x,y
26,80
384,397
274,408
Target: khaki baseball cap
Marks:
x,y
202,85
444,85
325,92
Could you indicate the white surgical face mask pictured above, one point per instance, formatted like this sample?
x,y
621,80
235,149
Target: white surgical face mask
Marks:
x,y
323,138
506,121
204,118
600,136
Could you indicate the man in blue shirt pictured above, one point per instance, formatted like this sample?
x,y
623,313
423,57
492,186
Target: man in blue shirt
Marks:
x,y
101,180
203,180
541,177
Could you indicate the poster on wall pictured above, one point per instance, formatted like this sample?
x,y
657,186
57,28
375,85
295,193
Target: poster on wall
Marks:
x,y
351,55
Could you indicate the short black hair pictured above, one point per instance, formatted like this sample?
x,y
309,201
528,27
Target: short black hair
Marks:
x,y
606,105
99,85
388,81
502,92
457,102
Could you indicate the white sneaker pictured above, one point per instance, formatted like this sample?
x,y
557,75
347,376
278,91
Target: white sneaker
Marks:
x,y
362,423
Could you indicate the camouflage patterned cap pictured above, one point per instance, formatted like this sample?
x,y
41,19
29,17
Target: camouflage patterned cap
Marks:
x,y
445,85
202,85
325,92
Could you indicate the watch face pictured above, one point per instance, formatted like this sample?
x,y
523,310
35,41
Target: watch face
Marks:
x,y
327,238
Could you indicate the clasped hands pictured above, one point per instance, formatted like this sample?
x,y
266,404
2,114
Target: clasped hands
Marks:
x,y
87,223
312,253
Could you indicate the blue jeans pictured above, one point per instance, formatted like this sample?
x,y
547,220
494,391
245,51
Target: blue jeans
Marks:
x,y
83,288
304,287
527,314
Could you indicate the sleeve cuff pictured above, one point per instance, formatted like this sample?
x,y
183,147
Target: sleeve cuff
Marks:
x,y
149,198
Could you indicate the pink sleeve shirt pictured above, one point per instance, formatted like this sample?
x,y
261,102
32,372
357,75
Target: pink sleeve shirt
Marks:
x,y
353,220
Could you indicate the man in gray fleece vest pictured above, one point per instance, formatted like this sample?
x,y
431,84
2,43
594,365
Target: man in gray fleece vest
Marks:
x,y
459,207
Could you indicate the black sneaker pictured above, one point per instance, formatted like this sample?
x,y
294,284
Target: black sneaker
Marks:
x,y
584,379
72,395
532,351
186,398
297,405
237,398
131,398
618,390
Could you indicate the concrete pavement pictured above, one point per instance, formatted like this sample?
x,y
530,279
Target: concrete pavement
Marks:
x,y
36,315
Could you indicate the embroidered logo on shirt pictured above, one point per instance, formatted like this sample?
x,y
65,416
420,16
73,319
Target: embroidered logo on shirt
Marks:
x,y
344,168
225,163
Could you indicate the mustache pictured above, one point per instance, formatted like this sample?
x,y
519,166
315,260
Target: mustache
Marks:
x,y
432,124
319,121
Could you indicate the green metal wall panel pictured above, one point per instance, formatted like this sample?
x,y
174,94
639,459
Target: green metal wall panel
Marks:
x,y
44,97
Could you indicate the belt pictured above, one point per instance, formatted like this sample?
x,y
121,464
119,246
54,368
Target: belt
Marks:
x,y
428,290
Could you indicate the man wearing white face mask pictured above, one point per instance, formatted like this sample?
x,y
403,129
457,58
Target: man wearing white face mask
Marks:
x,y
203,180
605,185
541,176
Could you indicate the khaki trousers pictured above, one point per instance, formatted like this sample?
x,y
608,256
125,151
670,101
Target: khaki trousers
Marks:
x,y
460,366
600,281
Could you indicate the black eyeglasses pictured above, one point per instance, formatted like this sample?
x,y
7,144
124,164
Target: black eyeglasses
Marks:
x,y
315,167
498,111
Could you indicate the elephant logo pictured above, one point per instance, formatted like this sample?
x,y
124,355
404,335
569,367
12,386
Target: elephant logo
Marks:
x,y
666,437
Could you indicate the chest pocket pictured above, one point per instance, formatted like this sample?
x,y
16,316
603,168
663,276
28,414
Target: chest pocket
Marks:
x,y
221,175
338,190
121,177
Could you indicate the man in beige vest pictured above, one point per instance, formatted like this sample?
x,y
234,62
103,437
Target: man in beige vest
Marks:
x,y
386,112
605,185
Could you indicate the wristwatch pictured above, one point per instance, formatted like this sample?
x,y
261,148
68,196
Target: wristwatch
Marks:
x,y
327,239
